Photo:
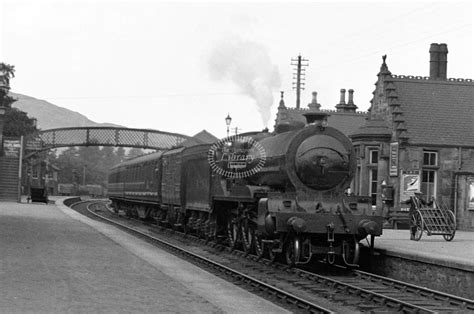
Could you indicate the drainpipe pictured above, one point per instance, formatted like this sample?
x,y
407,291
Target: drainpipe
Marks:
x,y
456,196
456,177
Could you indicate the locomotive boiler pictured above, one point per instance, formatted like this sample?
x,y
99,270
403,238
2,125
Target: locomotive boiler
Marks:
x,y
271,194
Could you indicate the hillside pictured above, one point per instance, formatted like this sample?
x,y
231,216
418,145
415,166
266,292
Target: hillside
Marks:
x,y
50,116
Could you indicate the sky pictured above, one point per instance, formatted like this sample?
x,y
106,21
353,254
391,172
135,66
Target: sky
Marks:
x,y
184,66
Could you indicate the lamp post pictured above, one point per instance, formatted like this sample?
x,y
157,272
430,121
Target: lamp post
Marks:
x,y
228,120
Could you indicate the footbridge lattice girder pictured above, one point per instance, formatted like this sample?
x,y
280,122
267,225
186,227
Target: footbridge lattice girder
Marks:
x,y
109,136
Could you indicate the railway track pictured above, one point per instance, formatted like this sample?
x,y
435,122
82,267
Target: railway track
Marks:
x,y
231,274
345,291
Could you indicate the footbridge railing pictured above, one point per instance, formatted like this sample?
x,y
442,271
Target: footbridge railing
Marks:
x,y
105,136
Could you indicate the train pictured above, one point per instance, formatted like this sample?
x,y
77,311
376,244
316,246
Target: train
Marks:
x,y
282,194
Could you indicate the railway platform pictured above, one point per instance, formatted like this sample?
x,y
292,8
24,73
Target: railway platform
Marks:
x,y
458,253
432,261
54,260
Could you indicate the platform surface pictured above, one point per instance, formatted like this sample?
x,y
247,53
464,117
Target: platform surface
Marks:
x,y
54,260
458,253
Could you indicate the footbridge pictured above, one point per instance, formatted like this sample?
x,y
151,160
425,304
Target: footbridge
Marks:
x,y
104,136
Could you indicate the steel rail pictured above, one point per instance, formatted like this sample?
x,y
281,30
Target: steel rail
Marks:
x,y
288,297
380,298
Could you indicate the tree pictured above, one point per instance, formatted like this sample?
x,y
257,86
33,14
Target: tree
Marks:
x,y
6,73
120,152
17,123
134,152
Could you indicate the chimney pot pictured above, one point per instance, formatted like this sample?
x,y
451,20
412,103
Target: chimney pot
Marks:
x,y
434,61
350,101
443,61
342,101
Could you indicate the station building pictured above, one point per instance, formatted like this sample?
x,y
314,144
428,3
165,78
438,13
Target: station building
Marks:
x,y
345,117
419,136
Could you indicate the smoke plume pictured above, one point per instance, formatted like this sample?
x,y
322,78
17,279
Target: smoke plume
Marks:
x,y
249,66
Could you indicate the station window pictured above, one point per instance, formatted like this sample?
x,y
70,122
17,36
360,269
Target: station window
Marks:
x,y
430,158
356,182
428,183
34,174
429,173
373,156
373,175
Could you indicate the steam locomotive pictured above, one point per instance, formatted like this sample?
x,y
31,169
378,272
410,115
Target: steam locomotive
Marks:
x,y
271,194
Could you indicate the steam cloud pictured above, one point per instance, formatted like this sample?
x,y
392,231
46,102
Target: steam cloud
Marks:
x,y
249,66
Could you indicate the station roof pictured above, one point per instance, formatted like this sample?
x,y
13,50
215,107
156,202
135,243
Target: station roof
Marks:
x,y
437,112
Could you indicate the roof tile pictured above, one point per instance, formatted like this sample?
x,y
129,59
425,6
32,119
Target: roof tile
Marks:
x,y
438,112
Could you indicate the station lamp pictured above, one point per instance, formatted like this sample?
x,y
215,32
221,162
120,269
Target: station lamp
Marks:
x,y
228,120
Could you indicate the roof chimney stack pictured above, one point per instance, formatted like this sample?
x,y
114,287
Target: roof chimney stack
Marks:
x,y
342,102
443,61
434,57
350,101
438,61
343,97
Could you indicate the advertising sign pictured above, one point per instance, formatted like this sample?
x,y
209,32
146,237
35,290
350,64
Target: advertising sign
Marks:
x,y
11,148
393,159
410,183
33,144
470,191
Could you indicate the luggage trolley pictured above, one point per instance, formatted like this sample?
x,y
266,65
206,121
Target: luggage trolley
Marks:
x,y
436,220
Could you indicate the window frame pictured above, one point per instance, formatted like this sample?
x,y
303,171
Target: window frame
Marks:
x,y
371,151
429,187
372,183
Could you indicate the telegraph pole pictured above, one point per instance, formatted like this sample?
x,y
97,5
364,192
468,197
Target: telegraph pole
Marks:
x,y
299,75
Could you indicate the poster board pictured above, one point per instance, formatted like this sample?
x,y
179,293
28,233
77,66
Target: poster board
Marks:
x,y
409,184
11,148
470,193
